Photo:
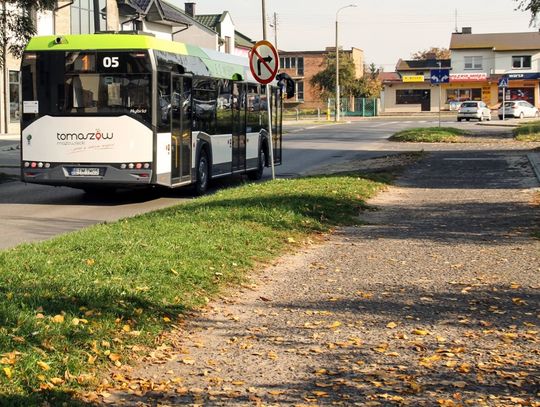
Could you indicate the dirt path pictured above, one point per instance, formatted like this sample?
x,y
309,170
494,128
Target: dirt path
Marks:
x,y
434,302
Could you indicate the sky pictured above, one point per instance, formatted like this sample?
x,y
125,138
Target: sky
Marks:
x,y
385,29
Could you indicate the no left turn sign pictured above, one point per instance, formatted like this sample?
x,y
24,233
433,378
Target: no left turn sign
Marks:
x,y
263,62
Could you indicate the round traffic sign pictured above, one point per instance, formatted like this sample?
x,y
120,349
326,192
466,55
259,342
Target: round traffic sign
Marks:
x,y
263,62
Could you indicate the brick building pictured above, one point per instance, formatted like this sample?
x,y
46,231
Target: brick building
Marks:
x,y
303,65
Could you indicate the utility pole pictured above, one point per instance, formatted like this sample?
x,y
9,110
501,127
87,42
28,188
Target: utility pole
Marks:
x,y
268,102
4,67
274,26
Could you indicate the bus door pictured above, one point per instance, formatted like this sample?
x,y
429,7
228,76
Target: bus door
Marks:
x,y
180,129
238,106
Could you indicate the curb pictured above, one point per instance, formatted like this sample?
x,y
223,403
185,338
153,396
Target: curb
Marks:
x,y
534,159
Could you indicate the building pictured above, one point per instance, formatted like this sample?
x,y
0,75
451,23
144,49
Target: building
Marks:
x,y
478,62
409,89
304,65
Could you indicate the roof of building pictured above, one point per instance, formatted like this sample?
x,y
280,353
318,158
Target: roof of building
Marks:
x,y
243,41
159,10
496,41
422,64
389,76
211,20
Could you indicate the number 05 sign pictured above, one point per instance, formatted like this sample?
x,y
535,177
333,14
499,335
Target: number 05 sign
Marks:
x,y
263,62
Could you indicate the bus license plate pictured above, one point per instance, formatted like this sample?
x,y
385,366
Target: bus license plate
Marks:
x,y
84,172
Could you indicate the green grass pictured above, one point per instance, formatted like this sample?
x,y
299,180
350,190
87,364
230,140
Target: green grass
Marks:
x,y
528,132
430,135
72,306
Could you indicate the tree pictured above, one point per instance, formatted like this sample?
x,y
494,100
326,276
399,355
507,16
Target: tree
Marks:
x,y
530,5
369,86
17,24
325,80
440,53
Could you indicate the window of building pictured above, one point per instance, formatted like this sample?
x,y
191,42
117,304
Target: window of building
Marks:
x,y
14,104
410,96
82,16
521,62
473,62
300,90
523,93
227,45
300,66
460,95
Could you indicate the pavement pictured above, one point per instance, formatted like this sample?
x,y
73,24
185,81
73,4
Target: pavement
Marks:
x,y
433,300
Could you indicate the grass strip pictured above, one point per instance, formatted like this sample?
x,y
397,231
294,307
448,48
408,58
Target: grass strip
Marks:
x,y
430,135
76,304
528,132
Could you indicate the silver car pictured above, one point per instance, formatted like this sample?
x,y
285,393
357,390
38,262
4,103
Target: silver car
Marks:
x,y
518,109
473,110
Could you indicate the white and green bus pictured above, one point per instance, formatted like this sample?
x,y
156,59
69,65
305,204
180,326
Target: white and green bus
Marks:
x,y
126,110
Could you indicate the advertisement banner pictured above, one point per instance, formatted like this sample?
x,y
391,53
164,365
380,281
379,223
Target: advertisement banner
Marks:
x,y
468,77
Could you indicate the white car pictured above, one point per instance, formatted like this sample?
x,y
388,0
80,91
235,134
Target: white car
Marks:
x,y
473,110
518,109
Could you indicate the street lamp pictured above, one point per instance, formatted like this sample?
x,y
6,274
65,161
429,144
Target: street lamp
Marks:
x,y
337,62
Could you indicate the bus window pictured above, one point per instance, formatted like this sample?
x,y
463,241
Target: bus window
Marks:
x,y
253,109
224,114
204,105
164,101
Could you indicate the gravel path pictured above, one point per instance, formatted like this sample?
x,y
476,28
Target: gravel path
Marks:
x,y
435,301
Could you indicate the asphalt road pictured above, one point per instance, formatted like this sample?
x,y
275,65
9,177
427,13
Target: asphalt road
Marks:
x,y
36,212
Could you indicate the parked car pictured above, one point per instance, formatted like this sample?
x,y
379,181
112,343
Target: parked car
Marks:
x,y
473,109
518,109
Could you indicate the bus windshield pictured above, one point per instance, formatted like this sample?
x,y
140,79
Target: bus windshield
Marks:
x,y
87,83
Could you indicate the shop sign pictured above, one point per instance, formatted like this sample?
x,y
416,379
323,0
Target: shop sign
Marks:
x,y
468,77
413,78
521,76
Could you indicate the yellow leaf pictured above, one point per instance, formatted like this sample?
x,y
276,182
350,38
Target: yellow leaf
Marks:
x,y
90,262
43,365
319,393
56,381
58,319
126,328
421,332
334,325
166,319
238,383
391,325
174,272
114,357
188,361
75,321
91,359
7,372
291,240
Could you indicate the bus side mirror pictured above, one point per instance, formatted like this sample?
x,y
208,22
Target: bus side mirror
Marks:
x,y
286,84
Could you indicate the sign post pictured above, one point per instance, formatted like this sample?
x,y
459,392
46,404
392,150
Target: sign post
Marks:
x,y
264,65
503,83
437,77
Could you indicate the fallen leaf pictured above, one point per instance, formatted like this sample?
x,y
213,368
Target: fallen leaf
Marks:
x,y
421,332
391,325
58,319
43,365
7,372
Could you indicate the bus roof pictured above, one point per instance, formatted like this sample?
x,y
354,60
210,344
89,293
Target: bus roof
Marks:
x,y
219,64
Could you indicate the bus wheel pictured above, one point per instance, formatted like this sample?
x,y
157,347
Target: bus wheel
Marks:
x,y
201,185
256,175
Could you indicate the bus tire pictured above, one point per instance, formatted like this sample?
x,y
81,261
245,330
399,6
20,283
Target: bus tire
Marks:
x,y
203,173
257,174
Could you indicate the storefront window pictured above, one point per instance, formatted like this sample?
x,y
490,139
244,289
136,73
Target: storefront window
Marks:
x,y
526,94
460,95
14,104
